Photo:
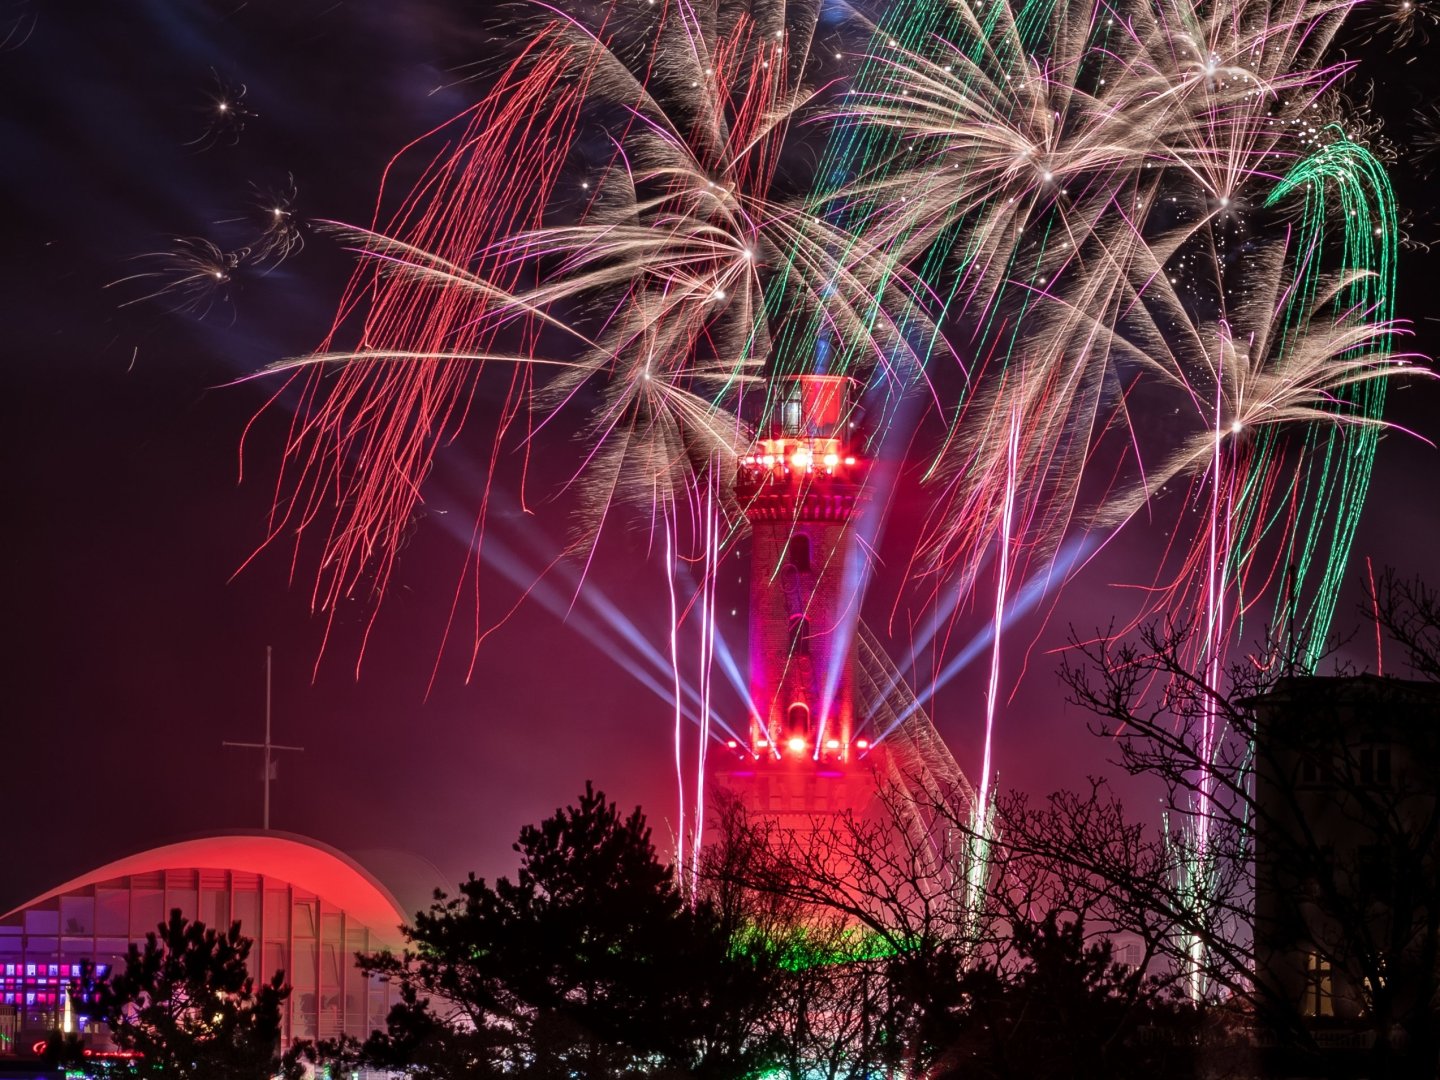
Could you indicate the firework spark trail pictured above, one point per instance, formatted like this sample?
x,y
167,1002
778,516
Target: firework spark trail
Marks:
x,y
1056,181
1399,23
710,581
648,284
1092,197
1367,258
1147,119
982,819
1354,393
372,418
857,148
1266,379
1289,357
195,273
670,563
191,276
1214,646
225,114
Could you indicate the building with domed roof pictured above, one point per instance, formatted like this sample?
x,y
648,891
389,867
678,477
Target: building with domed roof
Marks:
x,y
308,908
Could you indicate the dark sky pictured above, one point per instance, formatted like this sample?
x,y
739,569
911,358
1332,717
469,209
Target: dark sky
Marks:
x,y
133,650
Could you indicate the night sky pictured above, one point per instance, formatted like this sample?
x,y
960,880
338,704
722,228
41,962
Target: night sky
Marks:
x,y
134,647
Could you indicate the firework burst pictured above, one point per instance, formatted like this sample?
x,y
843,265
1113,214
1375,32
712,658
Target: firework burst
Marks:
x,y
605,225
1105,205
191,276
225,114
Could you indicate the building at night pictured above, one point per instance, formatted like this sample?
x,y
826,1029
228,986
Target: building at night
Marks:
x,y
1347,845
831,719
307,907
800,489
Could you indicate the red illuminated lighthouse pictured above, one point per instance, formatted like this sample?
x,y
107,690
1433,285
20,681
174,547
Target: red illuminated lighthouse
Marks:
x,y
800,488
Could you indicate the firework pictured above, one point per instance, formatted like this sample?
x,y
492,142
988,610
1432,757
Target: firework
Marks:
x,y
1123,206
1426,144
1111,208
1053,170
281,229
225,114
1397,24
192,275
16,26
629,284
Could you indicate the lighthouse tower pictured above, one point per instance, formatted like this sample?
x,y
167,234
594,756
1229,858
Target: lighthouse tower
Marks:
x,y
800,488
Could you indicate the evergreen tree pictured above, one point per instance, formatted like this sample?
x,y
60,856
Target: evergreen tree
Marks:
x,y
187,1005
590,963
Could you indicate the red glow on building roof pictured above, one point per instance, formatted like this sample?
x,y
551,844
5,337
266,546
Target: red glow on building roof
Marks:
x,y
299,861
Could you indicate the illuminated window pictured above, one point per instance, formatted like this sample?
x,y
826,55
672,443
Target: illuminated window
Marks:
x,y
1319,987
797,719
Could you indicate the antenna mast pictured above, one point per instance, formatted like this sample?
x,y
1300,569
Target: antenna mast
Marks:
x,y
268,746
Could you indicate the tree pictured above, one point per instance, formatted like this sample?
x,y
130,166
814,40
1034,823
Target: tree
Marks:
x,y
897,967
1284,841
590,963
187,1004
1066,1012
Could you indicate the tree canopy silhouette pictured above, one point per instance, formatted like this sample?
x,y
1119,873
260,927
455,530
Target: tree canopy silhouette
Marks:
x,y
590,963
187,1004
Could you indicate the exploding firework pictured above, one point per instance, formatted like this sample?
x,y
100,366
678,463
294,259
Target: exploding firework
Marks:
x,y
605,224
192,275
281,229
195,274
1425,144
1397,24
1057,170
1121,205
224,114
1113,208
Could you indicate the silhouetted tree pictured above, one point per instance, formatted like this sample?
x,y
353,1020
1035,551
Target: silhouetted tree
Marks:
x,y
1357,898
893,965
590,963
1066,1011
187,1004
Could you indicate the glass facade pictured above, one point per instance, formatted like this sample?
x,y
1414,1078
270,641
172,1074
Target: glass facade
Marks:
x,y
311,937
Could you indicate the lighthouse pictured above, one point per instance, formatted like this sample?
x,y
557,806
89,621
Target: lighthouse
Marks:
x,y
801,487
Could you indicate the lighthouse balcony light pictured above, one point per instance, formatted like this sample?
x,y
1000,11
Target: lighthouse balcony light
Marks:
x,y
815,456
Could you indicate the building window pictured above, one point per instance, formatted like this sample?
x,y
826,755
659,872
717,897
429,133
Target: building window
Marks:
x,y
797,552
797,720
1315,771
1319,986
1374,762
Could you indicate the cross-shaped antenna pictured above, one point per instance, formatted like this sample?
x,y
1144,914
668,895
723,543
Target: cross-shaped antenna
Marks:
x,y
267,745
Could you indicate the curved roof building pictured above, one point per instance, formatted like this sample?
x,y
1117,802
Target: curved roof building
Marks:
x,y
308,908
